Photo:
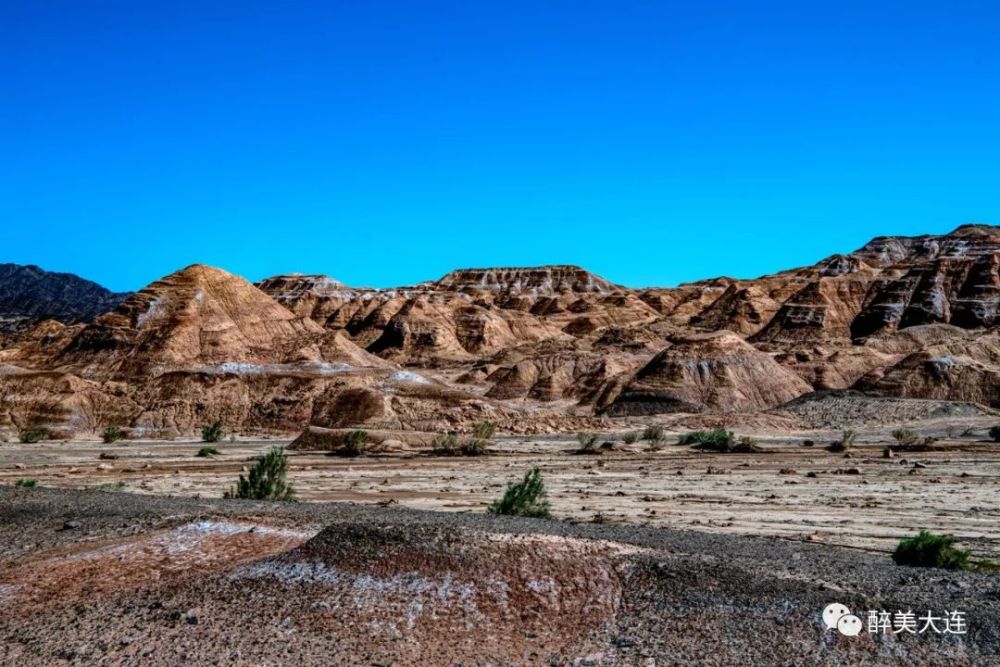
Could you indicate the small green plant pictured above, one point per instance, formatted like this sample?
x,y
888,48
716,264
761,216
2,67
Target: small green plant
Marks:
x,y
212,432
208,450
930,550
905,437
474,447
30,436
994,433
525,498
446,443
484,430
112,434
630,438
588,443
26,483
654,434
266,479
846,442
354,443
746,445
717,439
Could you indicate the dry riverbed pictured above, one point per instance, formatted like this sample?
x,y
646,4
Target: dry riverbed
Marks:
x,y
789,491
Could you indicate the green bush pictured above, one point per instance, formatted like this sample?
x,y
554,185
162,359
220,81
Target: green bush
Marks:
x,y
26,483
112,434
446,443
212,432
30,436
716,439
630,438
474,447
846,442
484,430
653,434
746,445
354,443
929,550
588,443
266,479
207,451
525,498
995,433
905,437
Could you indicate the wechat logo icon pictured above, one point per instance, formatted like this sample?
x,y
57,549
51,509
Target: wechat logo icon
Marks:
x,y
839,617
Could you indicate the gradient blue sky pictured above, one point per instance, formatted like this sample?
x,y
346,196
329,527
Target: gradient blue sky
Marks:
x,y
385,143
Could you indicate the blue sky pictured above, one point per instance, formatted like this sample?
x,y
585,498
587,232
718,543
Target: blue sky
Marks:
x,y
384,143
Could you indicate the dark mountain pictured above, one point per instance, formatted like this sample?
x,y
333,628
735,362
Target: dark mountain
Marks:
x,y
29,294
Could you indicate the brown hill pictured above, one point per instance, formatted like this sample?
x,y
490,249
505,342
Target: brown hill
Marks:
x,y
716,371
526,347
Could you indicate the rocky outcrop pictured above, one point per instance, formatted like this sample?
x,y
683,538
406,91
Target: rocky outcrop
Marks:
x,y
961,367
950,279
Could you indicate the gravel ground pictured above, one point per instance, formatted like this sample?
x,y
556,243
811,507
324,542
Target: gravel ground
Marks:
x,y
94,578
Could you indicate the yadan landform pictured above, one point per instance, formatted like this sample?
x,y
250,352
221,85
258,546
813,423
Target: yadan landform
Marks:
x,y
721,460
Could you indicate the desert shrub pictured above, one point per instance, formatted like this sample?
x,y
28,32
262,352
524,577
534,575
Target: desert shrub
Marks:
x,y
746,445
212,432
525,498
653,434
808,443
930,550
26,483
32,435
588,443
846,442
474,447
905,437
484,430
716,439
446,443
995,433
721,440
208,450
112,434
354,443
630,438
266,479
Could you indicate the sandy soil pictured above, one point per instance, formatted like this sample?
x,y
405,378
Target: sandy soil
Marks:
x,y
91,578
791,491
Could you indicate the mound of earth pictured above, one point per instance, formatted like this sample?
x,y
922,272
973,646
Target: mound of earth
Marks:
x,y
715,371
168,581
843,409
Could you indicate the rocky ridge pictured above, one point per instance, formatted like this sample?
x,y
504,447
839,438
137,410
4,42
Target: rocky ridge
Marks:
x,y
540,348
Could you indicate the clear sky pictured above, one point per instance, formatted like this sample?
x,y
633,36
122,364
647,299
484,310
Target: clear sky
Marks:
x,y
385,143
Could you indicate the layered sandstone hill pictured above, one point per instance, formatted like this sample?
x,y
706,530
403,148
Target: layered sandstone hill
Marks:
x,y
202,344
709,371
531,348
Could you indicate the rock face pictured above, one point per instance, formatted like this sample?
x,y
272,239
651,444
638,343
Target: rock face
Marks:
x,y
951,279
29,295
533,349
